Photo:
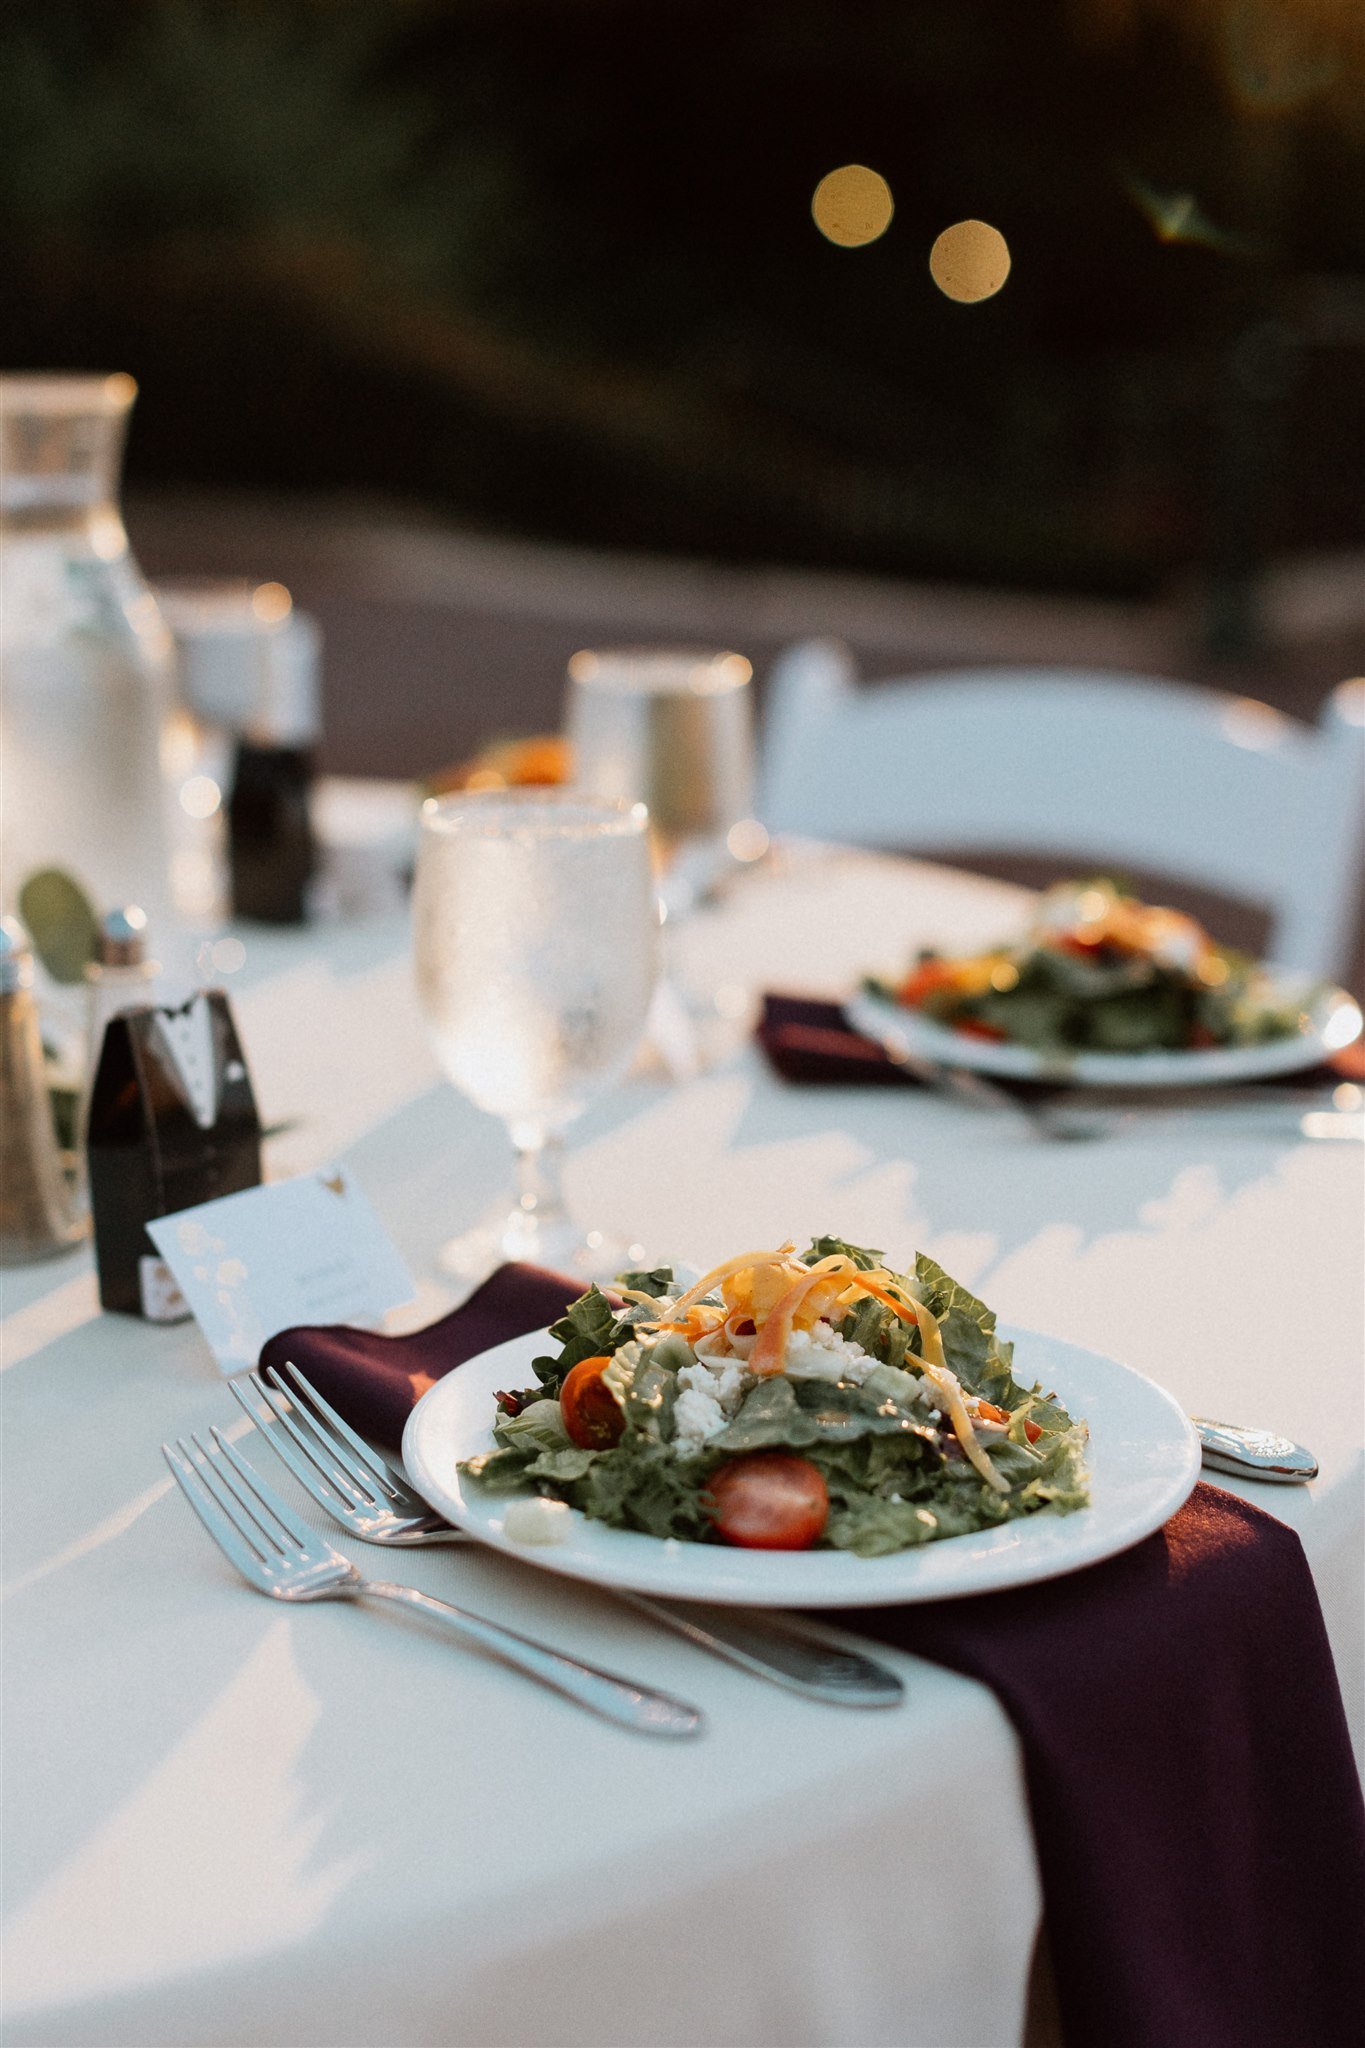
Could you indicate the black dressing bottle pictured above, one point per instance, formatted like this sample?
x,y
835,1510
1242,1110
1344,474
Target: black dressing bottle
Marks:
x,y
249,664
272,850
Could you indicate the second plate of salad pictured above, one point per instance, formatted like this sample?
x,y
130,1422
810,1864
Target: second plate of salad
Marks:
x,y
1105,990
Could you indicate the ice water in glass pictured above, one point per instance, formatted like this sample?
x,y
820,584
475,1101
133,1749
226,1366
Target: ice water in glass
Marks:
x,y
535,931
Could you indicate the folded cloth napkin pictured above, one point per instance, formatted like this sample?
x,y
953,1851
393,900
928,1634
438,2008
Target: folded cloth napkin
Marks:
x,y
376,1382
1195,1802
809,1040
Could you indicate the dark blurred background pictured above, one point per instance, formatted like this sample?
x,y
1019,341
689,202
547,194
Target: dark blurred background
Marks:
x,y
512,273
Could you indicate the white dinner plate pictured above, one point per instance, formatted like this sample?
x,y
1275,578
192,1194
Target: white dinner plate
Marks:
x,y
1143,1459
1329,1020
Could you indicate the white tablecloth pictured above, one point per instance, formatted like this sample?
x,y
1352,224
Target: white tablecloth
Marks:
x,y
227,1823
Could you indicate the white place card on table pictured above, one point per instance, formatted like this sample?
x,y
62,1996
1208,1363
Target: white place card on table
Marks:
x,y
308,1250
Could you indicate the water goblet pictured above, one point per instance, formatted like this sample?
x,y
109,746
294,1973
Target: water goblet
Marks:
x,y
535,929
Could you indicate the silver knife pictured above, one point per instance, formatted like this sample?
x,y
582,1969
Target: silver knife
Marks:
x,y
1253,1453
778,1651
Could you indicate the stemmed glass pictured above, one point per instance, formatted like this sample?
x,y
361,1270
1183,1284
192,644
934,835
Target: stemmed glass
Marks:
x,y
535,930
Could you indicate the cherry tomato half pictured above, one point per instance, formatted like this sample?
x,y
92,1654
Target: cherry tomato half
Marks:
x,y
769,1500
592,1414
929,978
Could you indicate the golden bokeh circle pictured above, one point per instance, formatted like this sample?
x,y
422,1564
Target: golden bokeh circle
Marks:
x,y
852,206
970,261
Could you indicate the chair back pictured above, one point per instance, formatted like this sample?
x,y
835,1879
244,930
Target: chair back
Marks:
x,y
1098,769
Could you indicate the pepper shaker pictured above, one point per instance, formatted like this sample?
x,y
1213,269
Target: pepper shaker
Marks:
x,y
37,1211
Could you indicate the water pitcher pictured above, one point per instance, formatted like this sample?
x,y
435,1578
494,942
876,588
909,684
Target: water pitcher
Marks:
x,y
92,739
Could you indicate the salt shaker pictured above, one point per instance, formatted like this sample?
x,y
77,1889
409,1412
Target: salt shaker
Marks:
x,y
37,1210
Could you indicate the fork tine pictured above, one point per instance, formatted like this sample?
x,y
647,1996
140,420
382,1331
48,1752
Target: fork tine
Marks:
x,y
328,1484
257,1497
294,1414
209,1470
380,1467
224,1533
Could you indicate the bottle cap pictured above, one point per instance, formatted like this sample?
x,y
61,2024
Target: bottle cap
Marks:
x,y
123,937
16,957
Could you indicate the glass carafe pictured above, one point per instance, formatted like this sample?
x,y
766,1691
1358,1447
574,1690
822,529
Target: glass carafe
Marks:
x,y
94,749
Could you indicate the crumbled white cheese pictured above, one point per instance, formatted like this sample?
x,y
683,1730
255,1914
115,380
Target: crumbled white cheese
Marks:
x,y
537,1521
696,1417
824,1353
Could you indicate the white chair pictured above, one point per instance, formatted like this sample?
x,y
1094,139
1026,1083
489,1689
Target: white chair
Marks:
x,y
1111,770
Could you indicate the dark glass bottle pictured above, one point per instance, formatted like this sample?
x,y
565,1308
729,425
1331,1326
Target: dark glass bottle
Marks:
x,y
270,836
250,668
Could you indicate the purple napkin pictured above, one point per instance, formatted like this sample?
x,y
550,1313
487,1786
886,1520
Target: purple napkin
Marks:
x,y
376,1382
1194,1797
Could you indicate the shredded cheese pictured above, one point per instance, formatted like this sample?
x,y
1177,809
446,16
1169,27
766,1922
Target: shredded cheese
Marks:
x,y
770,1352
937,1371
781,1257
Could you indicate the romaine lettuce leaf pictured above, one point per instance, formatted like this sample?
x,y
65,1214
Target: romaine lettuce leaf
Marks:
x,y
874,1527
588,1328
540,1424
828,1247
658,1281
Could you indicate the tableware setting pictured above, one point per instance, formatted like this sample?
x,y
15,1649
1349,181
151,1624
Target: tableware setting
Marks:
x,y
1153,1558
362,1493
682,1060
1195,1574
797,1470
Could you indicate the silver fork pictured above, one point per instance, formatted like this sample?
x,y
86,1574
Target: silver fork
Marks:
x,y
364,1494
275,1553
358,1488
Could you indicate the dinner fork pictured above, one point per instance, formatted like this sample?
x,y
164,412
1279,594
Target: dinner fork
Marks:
x,y
275,1553
362,1493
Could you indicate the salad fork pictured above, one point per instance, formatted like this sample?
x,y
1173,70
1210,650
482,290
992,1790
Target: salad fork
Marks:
x,y
358,1488
362,1493
278,1556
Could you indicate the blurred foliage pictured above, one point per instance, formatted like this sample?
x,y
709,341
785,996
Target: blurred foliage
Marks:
x,y
552,266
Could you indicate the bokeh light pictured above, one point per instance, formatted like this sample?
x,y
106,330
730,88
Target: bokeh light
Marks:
x,y
228,955
200,796
970,261
852,206
748,840
271,602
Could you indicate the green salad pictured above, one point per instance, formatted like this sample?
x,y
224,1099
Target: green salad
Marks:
x,y
1099,971
782,1402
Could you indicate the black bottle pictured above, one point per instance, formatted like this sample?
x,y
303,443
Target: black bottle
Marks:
x,y
249,669
271,850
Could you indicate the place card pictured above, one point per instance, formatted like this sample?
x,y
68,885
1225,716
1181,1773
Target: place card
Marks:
x,y
307,1250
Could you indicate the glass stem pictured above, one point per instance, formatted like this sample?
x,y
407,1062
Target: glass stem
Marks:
x,y
540,1163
